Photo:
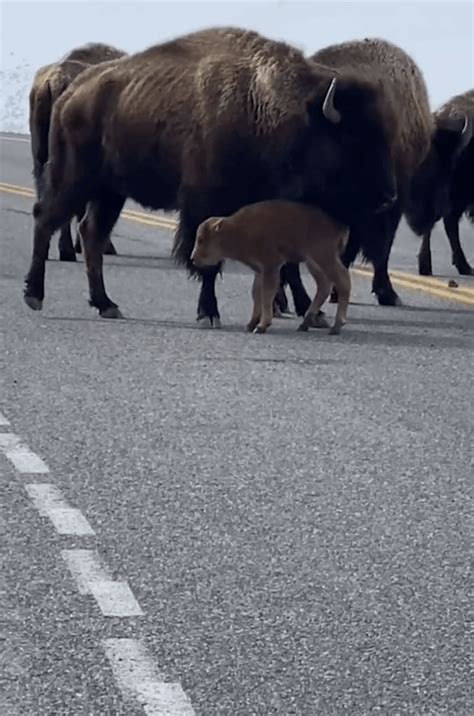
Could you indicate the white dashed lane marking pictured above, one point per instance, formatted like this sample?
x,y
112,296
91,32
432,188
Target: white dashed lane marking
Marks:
x,y
138,679
50,503
24,459
115,598
3,420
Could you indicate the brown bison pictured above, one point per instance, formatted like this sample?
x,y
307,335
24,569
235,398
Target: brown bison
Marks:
x,y
49,83
416,138
445,190
205,124
268,234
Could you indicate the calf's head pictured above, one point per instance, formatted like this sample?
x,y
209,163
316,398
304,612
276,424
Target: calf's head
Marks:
x,y
429,191
349,167
208,249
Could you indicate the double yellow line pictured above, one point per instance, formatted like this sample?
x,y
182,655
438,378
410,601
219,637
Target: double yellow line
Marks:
x,y
426,284
140,217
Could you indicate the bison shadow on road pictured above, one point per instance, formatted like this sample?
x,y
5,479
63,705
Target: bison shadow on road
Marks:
x,y
351,334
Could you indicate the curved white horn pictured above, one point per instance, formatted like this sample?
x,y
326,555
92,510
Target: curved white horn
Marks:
x,y
329,110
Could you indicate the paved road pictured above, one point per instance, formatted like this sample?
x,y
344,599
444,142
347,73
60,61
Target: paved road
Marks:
x,y
207,522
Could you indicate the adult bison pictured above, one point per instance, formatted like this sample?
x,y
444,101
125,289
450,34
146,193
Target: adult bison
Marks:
x,y
415,138
446,190
207,123
49,82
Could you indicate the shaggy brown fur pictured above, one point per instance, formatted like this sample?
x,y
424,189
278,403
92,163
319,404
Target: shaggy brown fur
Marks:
x,y
416,131
207,123
268,234
447,192
49,82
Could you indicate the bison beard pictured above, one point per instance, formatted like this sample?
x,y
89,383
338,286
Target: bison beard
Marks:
x,y
205,124
49,83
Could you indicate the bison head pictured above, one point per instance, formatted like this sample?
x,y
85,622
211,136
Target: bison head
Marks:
x,y
348,155
429,191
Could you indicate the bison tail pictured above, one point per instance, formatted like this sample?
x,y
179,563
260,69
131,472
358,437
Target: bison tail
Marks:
x,y
183,245
41,104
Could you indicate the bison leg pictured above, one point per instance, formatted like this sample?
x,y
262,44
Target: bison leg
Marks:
x,y
50,214
280,302
425,267
377,248
290,274
95,228
451,226
194,209
65,245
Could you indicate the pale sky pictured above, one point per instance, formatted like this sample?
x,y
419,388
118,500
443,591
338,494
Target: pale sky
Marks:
x,y
439,35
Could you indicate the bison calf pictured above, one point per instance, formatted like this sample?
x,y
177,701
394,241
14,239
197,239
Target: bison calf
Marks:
x,y
266,235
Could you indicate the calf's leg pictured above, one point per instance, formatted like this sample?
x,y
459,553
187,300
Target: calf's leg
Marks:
x,y
269,285
451,226
95,227
314,318
257,302
340,276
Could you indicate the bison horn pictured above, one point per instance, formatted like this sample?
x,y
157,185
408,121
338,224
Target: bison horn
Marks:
x,y
466,133
329,110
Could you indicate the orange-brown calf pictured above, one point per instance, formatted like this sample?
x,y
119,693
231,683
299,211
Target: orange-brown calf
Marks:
x,y
267,234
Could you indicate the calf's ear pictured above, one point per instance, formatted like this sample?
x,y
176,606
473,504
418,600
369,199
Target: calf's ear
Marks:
x,y
216,223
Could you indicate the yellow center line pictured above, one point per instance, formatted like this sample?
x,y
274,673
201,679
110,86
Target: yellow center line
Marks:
x,y
140,217
424,282
431,286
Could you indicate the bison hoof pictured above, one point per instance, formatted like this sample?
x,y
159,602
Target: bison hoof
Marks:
x,y
303,327
389,298
67,256
209,322
465,269
425,270
110,250
34,303
110,312
260,329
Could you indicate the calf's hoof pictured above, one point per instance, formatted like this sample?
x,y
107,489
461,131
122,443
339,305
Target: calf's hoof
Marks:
x,y
110,312
209,322
335,329
260,329
36,304
316,320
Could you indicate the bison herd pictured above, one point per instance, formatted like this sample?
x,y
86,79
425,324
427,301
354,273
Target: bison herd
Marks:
x,y
223,118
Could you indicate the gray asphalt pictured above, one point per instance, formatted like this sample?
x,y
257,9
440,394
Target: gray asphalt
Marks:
x,y
291,510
